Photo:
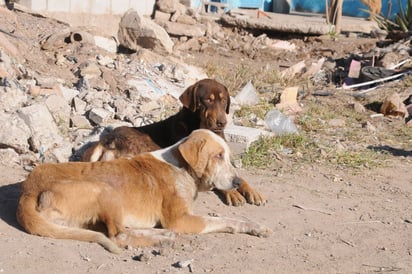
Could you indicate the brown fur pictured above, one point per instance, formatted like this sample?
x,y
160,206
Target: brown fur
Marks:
x,y
205,105
128,195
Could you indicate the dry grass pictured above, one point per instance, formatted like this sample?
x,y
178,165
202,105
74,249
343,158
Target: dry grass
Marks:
x,y
346,147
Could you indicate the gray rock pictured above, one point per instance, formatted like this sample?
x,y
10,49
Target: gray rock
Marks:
x,y
136,31
69,94
108,44
12,98
179,29
59,109
161,16
168,6
15,133
79,105
89,70
45,137
336,123
100,115
79,121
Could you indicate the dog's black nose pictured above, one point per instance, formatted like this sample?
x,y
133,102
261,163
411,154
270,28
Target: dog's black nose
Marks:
x,y
236,182
221,123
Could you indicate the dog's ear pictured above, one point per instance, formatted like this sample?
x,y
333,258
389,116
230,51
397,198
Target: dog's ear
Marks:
x,y
189,97
228,100
191,151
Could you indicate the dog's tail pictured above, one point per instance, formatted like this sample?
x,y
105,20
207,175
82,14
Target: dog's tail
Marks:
x,y
28,217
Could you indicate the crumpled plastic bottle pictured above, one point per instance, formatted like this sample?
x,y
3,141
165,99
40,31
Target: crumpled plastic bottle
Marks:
x,y
280,123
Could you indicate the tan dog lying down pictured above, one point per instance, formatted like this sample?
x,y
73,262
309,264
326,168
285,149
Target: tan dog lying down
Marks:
x,y
151,189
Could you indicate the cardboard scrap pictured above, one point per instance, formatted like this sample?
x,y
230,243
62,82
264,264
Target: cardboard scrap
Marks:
x,y
288,101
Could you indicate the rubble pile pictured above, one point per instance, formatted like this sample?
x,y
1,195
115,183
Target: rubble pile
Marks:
x,y
61,89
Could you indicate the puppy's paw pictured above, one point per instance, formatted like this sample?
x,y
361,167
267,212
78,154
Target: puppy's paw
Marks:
x,y
253,197
233,197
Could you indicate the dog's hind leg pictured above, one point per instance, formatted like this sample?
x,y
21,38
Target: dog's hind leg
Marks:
x,y
38,215
197,224
145,237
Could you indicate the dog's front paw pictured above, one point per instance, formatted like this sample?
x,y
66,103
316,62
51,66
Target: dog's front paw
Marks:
x,y
233,197
252,196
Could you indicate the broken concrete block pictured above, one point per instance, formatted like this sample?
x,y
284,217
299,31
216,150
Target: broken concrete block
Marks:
x,y
89,70
136,31
12,98
44,131
59,109
161,16
15,133
186,20
393,105
45,138
79,121
100,115
314,68
168,6
243,135
108,44
293,70
69,93
79,105
281,45
179,29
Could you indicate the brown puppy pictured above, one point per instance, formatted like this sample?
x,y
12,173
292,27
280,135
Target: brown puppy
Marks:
x,y
205,105
151,189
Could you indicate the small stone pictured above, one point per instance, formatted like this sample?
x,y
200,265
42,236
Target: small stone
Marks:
x,y
369,127
337,123
358,107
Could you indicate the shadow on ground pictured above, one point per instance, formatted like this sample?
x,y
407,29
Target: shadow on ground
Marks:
x,y
9,196
392,150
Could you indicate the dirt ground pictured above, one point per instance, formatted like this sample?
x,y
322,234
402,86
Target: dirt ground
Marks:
x,y
324,220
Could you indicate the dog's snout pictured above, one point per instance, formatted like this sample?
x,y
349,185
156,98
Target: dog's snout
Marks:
x,y
221,123
236,182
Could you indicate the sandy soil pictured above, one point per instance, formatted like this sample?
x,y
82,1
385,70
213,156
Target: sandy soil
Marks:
x,y
325,220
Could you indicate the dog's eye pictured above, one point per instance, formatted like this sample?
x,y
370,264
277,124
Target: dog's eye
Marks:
x,y
219,156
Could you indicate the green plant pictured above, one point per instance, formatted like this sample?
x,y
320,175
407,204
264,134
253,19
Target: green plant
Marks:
x,y
402,20
265,150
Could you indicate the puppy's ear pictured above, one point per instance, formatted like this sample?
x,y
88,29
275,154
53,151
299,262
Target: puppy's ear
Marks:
x,y
191,151
189,97
228,101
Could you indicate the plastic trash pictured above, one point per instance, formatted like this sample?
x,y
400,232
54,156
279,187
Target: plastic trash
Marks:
x,y
248,95
280,123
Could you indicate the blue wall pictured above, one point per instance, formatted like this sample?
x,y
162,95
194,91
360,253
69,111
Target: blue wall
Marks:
x,y
350,7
